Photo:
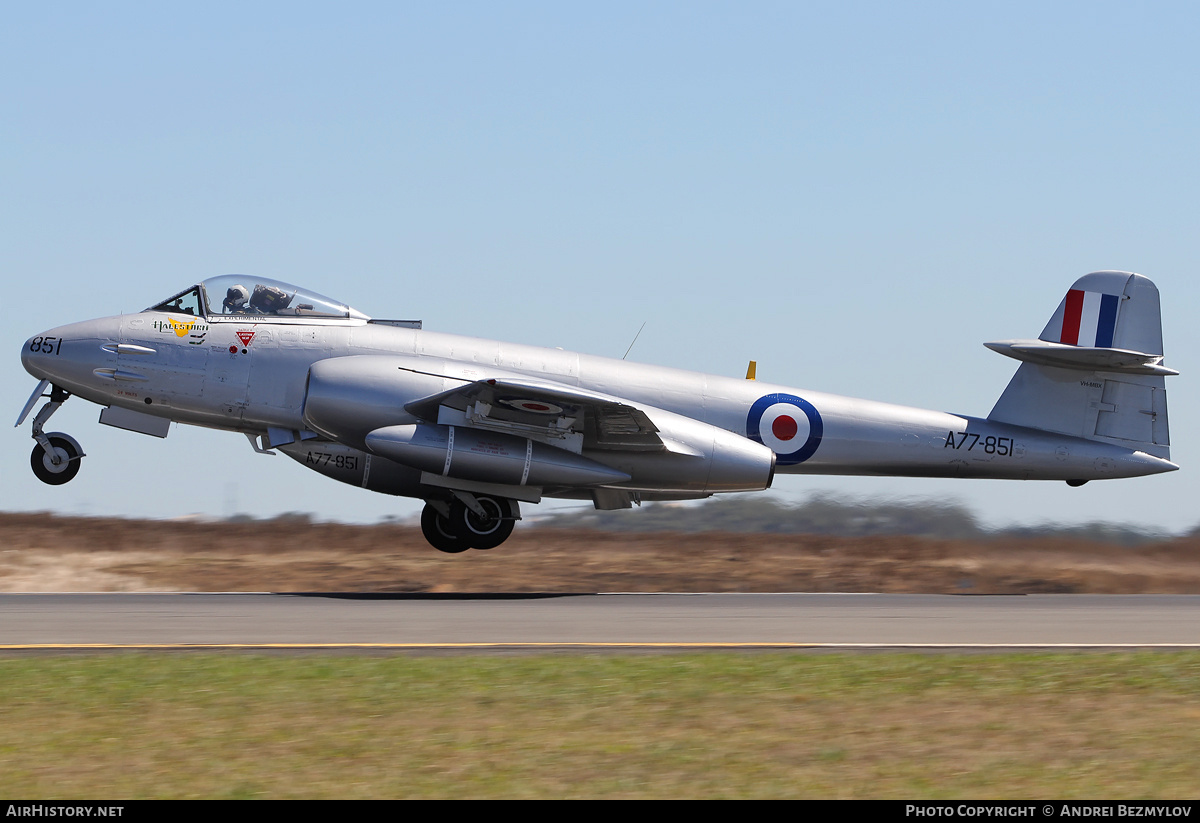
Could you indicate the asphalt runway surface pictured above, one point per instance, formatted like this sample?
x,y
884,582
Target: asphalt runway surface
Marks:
x,y
44,621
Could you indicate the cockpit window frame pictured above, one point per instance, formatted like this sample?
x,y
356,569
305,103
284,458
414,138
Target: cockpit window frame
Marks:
x,y
165,306
292,301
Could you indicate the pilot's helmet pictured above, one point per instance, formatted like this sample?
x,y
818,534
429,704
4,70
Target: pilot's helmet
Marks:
x,y
235,298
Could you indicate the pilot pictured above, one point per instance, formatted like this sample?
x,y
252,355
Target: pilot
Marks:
x,y
235,300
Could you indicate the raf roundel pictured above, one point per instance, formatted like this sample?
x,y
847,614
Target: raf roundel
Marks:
x,y
531,405
788,425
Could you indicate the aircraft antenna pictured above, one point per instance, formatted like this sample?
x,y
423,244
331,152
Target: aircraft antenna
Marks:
x,y
635,337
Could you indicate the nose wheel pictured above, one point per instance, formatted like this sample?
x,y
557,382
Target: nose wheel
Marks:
x,y
58,465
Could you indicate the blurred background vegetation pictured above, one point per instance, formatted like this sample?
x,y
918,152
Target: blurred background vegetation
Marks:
x,y
823,514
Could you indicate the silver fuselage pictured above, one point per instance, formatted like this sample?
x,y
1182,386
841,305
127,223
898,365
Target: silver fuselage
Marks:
x,y
239,375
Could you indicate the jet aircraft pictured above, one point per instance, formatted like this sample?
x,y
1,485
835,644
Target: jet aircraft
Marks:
x,y
476,427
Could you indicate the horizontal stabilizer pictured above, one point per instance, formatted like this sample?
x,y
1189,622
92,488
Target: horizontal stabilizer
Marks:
x,y
1065,356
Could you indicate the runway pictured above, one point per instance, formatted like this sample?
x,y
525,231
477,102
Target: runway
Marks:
x,y
48,621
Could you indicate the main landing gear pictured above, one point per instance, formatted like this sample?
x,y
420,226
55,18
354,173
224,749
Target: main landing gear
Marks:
x,y
468,521
55,458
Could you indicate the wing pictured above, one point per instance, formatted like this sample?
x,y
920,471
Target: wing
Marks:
x,y
554,413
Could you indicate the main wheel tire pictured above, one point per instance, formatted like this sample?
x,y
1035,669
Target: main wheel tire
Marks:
x,y
438,532
488,531
67,468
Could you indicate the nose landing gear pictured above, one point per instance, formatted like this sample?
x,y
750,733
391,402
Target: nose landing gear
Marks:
x,y
55,458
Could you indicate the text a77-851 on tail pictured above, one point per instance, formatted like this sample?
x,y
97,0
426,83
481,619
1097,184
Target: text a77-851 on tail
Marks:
x,y
476,427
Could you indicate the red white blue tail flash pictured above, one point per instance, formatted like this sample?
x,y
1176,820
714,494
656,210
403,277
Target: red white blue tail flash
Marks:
x,y
1089,319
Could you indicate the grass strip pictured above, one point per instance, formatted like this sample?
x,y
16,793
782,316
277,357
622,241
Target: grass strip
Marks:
x,y
727,725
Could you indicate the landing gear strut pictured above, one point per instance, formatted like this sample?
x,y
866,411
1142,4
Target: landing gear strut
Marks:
x,y
55,458
468,522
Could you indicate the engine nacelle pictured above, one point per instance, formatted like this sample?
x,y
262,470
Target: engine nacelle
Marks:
x,y
359,401
699,458
347,397
488,457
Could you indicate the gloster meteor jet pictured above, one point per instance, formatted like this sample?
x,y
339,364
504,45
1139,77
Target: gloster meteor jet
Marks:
x,y
476,427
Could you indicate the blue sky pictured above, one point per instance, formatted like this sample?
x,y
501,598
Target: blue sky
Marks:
x,y
856,195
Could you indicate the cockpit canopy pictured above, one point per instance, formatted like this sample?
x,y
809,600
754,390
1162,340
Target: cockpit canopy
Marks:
x,y
242,297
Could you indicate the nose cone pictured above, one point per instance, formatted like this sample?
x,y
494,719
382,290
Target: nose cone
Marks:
x,y
67,355
34,359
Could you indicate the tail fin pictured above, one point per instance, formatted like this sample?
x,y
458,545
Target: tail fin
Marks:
x,y
1096,370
